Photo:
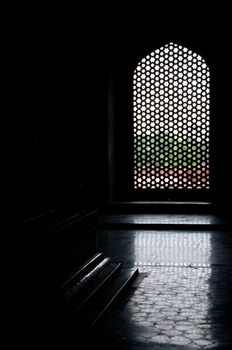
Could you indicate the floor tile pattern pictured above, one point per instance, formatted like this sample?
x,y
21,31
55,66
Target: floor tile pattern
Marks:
x,y
184,299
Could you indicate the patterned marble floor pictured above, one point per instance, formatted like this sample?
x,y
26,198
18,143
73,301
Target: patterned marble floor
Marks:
x,y
184,298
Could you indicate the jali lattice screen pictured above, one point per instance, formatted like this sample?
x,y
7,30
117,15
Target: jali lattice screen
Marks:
x,y
171,102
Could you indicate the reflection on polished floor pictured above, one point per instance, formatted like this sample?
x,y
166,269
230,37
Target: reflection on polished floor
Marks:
x,y
183,300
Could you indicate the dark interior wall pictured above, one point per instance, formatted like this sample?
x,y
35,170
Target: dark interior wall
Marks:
x,y
57,132
57,78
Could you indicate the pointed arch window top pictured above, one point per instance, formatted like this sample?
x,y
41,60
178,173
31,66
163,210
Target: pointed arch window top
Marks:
x,y
171,96
170,52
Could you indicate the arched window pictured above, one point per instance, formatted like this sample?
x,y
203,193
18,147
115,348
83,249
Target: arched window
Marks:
x,y
171,102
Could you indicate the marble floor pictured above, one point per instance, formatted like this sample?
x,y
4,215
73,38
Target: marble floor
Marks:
x,y
183,296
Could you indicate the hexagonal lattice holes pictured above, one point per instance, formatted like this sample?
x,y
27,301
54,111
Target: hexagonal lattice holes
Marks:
x,y
171,120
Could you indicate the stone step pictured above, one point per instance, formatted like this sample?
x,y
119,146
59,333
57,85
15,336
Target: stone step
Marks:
x,y
97,308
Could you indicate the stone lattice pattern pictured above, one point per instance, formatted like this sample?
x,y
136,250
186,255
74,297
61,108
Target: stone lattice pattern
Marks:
x,y
171,113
